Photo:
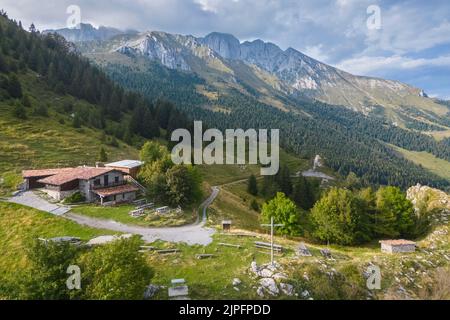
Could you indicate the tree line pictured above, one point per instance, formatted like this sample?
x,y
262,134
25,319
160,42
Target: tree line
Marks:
x,y
124,114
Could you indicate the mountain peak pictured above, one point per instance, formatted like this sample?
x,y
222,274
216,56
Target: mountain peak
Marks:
x,y
226,45
87,32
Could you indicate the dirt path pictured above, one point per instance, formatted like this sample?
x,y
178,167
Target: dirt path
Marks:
x,y
195,234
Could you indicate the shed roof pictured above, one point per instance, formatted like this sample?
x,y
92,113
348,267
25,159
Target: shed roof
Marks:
x,y
398,242
128,164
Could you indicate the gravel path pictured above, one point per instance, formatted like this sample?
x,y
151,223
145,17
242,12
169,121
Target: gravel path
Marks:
x,y
30,199
195,234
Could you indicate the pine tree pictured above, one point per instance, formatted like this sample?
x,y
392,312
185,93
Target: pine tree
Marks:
x,y
19,111
32,28
252,187
76,123
14,87
283,179
26,101
103,156
303,194
3,65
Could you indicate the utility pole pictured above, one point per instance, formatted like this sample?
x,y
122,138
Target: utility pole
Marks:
x,y
272,226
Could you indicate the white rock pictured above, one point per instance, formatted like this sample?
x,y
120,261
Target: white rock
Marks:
x,y
236,282
306,294
265,273
280,276
254,267
260,292
150,291
270,285
287,289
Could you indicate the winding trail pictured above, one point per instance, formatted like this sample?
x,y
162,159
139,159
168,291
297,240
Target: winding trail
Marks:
x,y
194,234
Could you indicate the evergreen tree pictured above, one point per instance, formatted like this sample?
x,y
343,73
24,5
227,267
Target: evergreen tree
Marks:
x,y
284,181
32,28
26,102
303,194
252,187
76,122
14,87
254,205
19,111
41,110
3,64
103,156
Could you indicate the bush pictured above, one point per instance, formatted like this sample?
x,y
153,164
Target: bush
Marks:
x,y
75,198
41,111
254,205
10,180
19,111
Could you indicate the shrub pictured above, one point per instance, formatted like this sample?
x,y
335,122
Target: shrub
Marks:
x,y
75,198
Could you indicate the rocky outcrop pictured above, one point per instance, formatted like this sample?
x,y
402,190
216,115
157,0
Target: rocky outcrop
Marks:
x,y
426,199
270,279
153,47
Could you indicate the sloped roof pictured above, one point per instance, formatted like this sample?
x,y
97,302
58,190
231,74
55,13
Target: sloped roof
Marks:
x,y
80,173
116,190
398,242
44,172
128,164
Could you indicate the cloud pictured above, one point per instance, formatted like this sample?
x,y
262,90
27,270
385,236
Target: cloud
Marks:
x,y
367,65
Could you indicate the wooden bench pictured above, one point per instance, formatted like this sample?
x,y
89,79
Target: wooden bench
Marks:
x,y
268,246
167,251
146,206
137,213
230,245
139,202
204,256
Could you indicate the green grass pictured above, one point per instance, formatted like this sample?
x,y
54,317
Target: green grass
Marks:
x,y
121,214
210,278
217,175
19,225
428,161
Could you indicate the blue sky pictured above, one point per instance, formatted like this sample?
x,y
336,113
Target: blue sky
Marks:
x,y
412,45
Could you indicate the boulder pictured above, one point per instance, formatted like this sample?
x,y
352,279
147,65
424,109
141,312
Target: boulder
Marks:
x,y
260,292
306,294
287,289
280,276
150,291
270,286
236,282
265,273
